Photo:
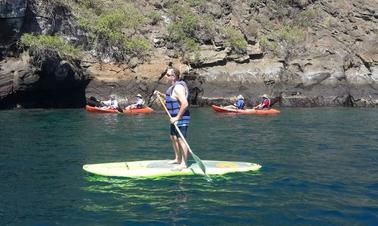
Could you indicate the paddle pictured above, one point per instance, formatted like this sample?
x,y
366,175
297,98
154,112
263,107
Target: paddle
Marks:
x,y
119,109
195,157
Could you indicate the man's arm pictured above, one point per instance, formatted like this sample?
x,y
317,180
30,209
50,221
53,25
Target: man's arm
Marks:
x,y
158,93
258,106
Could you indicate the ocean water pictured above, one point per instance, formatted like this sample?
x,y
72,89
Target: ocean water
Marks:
x,y
319,167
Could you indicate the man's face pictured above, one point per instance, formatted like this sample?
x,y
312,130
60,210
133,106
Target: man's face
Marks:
x,y
170,75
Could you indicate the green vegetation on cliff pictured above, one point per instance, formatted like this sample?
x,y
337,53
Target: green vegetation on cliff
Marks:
x,y
113,26
125,29
38,43
182,30
188,29
235,39
120,28
287,30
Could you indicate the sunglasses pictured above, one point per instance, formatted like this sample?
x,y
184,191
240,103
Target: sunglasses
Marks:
x,y
168,75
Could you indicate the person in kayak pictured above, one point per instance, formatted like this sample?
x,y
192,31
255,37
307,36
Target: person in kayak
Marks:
x,y
93,102
176,101
138,104
265,103
239,104
112,103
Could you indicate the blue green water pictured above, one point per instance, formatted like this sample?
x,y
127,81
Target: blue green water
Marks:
x,y
320,167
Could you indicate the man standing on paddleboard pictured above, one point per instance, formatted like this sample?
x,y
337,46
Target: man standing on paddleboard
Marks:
x,y
176,101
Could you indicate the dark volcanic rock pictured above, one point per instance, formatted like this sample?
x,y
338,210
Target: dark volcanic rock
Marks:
x,y
12,14
311,52
41,81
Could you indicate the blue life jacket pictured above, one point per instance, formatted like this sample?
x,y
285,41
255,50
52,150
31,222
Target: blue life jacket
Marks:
x,y
240,104
173,105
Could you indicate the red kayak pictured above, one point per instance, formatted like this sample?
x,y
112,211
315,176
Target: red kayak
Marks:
x,y
221,109
101,109
139,110
112,110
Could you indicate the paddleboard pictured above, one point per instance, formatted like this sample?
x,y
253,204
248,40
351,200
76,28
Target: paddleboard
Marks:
x,y
162,168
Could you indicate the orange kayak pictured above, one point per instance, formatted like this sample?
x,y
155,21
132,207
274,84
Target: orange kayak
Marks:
x,y
139,110
111,110
100,110
221,109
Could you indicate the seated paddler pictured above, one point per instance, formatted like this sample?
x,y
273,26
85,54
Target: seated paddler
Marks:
x,y
239,103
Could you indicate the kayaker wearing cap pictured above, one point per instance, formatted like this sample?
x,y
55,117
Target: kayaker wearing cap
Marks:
x,y
111,103
176,101
265,103
138,104
239,104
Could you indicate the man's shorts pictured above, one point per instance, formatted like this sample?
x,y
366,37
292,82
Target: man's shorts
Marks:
x,y
183,130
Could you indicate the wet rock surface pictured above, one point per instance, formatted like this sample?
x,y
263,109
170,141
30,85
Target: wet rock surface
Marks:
x,y
38,81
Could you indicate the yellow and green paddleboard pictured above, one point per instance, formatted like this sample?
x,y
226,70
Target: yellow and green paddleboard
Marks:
x,y
160,168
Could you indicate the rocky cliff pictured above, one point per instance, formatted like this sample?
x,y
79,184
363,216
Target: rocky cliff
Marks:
x,y
310,52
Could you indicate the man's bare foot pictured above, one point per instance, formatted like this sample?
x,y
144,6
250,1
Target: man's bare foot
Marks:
x,y
183,166
179,167
174,162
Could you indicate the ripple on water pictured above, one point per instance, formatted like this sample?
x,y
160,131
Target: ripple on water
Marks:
x,y
319,168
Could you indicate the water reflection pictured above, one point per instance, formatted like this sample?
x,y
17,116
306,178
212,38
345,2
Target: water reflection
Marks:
x,y
133,198
168,199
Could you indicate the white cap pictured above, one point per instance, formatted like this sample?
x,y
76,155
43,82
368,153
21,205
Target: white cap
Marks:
x,y
240,97
138,95
265,96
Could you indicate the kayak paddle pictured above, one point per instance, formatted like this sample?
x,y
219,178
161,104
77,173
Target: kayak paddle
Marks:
x,y
120,110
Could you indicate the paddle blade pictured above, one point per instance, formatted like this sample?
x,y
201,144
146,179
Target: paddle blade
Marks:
x,y
119,109
199,162
202,166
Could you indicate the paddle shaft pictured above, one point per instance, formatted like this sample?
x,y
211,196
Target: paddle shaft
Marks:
x,y
195,157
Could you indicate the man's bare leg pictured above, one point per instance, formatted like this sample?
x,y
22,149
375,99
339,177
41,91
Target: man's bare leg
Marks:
x,y
184,153
230,107
177,151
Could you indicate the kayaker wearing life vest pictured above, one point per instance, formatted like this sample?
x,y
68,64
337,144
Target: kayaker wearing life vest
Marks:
x,y
138,104
265,104
176,101
239,104
111,103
